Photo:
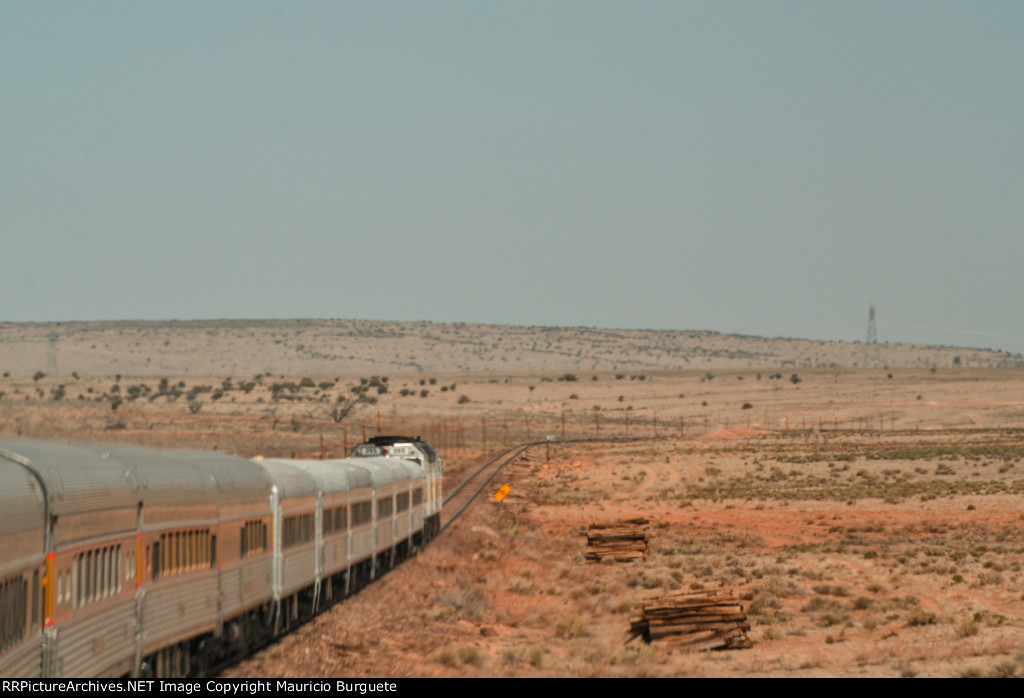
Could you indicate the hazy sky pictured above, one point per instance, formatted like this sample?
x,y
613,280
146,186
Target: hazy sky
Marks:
x,y
766,168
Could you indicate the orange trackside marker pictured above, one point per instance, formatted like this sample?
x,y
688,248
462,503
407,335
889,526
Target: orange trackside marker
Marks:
x,y
502,493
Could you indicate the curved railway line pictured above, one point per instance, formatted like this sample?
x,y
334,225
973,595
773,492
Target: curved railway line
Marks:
x,y
160,573
463,494
466,492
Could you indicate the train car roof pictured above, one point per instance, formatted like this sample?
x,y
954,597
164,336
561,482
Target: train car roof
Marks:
x,y
330,474
291,481
170,479
76,478
235,479
388,471
22,524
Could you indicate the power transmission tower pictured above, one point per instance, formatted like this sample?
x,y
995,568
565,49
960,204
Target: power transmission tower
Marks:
x,y
51,356
871,354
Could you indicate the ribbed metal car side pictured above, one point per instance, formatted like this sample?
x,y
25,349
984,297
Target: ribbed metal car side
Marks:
x,y
21,570
400,522
332,513
244,555
296,564
388,476
120,560
179,594
93,503
361,542
365,518
421,453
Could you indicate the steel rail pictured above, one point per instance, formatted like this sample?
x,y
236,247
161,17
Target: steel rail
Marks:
x,y
502,459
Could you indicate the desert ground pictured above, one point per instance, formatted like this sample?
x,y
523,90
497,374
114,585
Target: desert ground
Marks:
x,y
870,519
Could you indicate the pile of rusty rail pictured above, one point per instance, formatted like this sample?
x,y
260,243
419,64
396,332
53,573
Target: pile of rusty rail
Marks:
x,y
700,620
621,541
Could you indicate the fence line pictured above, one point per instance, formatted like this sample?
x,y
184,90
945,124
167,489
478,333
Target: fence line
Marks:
x,y
459,436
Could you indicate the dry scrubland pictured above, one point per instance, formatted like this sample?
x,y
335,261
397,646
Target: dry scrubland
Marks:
x,y
348,347
870,518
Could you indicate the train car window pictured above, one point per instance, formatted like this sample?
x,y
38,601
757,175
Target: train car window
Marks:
x,y
93,575
334,520
417,496
297,529
78,581
104,573
153,561
402,502
13,607
83,581
362,513
183,551
90,578
384,507
253,538
35,600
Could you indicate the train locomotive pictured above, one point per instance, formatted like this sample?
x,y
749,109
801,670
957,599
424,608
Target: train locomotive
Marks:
x,y
125,561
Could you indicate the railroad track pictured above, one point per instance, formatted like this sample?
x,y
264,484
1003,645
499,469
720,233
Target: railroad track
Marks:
x,y
466,492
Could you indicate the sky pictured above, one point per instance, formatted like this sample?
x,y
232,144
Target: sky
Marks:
x,y
761,168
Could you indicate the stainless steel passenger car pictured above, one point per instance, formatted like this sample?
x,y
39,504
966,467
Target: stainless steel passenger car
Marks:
x,y
127,561
415,450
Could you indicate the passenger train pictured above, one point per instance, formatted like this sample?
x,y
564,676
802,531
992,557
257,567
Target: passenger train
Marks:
x,y
125,561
